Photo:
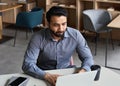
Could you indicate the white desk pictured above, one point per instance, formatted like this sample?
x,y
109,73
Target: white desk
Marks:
x,y
107,78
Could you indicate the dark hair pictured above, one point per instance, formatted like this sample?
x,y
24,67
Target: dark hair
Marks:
x,y
56,11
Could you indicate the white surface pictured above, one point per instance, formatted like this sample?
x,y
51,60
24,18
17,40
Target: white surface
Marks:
x,y
107,78
78,79
32,81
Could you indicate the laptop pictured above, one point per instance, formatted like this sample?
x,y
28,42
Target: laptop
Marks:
x,y
78,79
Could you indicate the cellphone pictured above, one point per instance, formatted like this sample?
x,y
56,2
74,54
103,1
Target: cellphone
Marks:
x,y
18,81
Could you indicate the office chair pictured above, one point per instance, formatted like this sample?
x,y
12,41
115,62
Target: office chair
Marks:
x,y
28,20
96,21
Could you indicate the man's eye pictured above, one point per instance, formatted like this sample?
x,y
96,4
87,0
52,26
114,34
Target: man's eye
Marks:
x,y
55,24
64,24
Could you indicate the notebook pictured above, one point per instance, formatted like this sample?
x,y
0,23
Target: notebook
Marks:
x,y
78,79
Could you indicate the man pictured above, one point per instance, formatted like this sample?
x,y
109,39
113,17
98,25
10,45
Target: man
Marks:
x,y
52,48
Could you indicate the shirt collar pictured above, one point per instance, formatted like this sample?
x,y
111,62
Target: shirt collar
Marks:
x,y
66,33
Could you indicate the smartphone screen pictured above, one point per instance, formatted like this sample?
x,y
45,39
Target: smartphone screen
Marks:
x,y
17,81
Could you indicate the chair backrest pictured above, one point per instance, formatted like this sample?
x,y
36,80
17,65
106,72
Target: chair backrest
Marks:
x,y
30,19
36,9
94,20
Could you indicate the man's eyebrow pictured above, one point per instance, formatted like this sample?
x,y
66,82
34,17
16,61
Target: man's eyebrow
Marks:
x,y
64,22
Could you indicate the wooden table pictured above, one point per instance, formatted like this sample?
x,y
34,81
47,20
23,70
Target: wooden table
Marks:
x,y
5,8
115,23
107,78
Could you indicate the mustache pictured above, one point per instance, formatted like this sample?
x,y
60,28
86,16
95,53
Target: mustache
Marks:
x,y
58,34
57,31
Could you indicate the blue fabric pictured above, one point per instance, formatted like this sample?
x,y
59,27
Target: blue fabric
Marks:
x,y
29,19
44,53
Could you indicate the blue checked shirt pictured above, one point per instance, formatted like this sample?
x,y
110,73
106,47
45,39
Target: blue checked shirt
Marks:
x,y
44,53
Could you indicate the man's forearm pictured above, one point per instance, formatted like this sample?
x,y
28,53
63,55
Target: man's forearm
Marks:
x,y
33,70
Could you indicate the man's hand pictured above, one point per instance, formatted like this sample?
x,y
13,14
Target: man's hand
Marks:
x,y
80,70
51,78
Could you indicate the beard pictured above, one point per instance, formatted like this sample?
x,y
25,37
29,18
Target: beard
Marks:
x,y
58,34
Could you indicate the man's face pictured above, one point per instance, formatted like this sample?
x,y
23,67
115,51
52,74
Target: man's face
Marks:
x,y
58,25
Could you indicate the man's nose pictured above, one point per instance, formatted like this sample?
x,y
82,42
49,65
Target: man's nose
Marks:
x,y
61,28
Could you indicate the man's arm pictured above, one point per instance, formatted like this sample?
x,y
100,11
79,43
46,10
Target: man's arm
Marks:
x,y
30,58
29,64
84,53
30,67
